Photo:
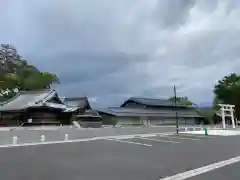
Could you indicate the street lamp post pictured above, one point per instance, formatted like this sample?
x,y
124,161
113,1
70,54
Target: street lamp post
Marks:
x,y
175,103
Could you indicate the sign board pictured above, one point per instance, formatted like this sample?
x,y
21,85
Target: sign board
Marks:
x,y
30,120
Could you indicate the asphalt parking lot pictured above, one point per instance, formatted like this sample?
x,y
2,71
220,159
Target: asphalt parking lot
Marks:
x,y
33,136
133,158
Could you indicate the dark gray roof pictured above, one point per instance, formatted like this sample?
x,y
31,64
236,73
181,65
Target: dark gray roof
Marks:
x,y
34,99
90,113
120,111
81,102
152,102
25,99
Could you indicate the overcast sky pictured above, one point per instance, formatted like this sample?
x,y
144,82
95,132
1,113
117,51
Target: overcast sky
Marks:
x,y
110,50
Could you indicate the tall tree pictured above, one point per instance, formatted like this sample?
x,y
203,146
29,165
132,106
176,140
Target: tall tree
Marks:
x,y
206,113
182,100
16,74
227,91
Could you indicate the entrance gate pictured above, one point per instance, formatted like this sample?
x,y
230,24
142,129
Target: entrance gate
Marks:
x,y
226,110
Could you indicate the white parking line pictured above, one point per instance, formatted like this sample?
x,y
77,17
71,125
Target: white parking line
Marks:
x,y
129,142
198,136
174,137
158,140
82,140
202,170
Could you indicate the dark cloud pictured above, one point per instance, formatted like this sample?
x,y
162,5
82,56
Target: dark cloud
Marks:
x,y
110,51
205,48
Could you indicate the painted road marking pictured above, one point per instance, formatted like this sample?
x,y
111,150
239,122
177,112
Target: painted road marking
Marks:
x,y
82,140
198,136
202,170
184,138
46,143
158,140
130,142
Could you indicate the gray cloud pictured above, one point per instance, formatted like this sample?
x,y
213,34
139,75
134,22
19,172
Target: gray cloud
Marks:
x,y
110,51
208,6
175,14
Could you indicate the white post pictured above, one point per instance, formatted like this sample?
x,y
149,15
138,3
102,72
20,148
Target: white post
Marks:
x,y
223,117
15,140
42,138
232,118
66,137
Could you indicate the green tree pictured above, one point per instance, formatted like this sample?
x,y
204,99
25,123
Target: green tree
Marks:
x,y
227,91
114,120
17,73
182,100
207,114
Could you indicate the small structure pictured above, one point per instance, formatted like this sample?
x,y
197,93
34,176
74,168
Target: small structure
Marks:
x,y
80,102
36,108
90,118
146,111
87,117
226,110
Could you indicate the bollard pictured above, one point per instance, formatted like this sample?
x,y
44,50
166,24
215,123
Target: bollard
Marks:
x,y
42,138
206,131
66,137
15,140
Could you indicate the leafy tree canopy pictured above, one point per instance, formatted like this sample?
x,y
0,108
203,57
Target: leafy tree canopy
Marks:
x,y
206,113
227,91
16,74
182,100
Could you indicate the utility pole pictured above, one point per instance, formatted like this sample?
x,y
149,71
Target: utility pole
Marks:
x,y
175,103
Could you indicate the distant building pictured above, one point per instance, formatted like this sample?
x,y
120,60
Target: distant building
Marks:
x,y
136,111
80,102
36,108
87,117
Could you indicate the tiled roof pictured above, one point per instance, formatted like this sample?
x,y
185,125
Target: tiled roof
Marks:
x,y
90,113
119,111
25,99
153,102
40,98
81,102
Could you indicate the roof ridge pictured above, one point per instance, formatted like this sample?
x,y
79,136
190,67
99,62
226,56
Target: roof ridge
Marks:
x,y
83,97
149,98
43,99
154,101
36,91
115,107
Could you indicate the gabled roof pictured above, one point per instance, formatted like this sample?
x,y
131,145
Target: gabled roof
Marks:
x,y
152,102
89,113
25,99
138,112
81,102
34,99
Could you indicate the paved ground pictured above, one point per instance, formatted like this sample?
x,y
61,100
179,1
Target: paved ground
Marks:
x,y
138,158
27,136
230,172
